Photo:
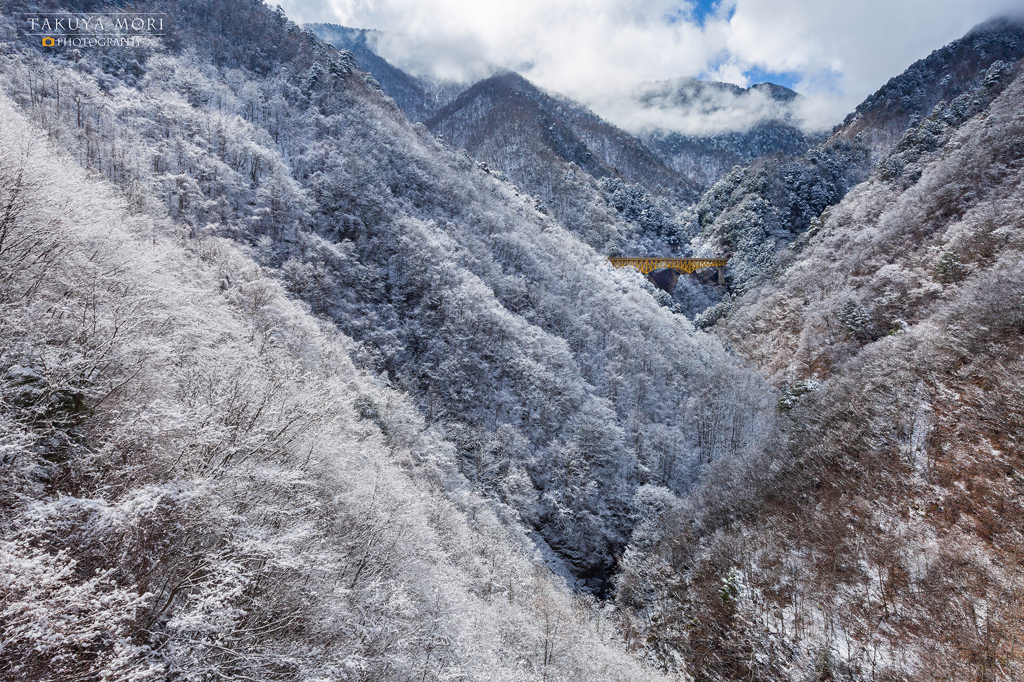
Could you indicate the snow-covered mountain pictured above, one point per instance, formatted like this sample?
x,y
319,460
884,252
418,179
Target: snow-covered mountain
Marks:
x,y
757,211
293,388
946,75
553,148
871,543
310,376
599,181
509,123
419,98
522,131
703,129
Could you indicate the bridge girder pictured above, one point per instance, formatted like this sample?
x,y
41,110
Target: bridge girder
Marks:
x,y
681,265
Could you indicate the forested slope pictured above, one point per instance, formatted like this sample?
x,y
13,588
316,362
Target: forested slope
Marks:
x,y
888,544
559,152
564,386
756,211
292,389
198,483
419,98
943,76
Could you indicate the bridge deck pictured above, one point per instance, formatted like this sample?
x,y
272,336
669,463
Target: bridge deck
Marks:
x,y
683,265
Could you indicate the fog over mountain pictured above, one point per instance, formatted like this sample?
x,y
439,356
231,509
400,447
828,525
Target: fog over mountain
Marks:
x,y
698,129
692,107
833,52
420,98
313,367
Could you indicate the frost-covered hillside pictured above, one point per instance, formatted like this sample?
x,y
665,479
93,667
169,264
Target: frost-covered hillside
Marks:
x,y
293,388
600,182
758,210
481,339
704,159
565,156
419,98
884,540
198,483
945,75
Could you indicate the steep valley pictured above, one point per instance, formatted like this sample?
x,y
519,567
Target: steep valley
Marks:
x,y
307,374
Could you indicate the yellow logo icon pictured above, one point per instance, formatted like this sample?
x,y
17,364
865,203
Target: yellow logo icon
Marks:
x,y
47,41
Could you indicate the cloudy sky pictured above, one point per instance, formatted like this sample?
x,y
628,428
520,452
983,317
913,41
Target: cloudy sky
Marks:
x,y
835,52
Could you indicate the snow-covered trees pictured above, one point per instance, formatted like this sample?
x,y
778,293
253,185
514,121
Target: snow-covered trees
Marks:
x,y
755,212
197,482
258,506
207,481
879,537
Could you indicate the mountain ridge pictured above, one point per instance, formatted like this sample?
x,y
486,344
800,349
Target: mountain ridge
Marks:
x,y
293,388
894,331
565,128
945,74
700,159
419,98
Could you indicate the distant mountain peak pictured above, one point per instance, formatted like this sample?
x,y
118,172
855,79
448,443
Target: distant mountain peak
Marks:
x,y
776,92
693,107
748,122
506,111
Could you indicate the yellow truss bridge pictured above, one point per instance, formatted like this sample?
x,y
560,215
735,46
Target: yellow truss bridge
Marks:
x,y
680,265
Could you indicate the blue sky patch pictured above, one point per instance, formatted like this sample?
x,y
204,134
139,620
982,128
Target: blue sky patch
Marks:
x,y
696,12
783,78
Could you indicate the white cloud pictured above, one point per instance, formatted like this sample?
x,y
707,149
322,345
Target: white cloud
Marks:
x,y
681,106
837,51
